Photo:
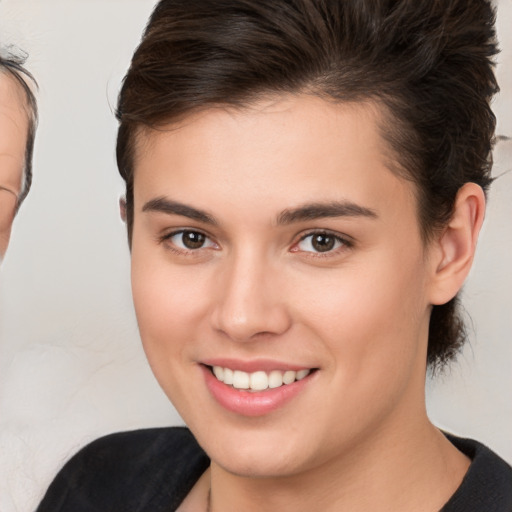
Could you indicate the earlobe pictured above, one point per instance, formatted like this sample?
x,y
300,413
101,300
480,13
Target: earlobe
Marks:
x,y
457,244
122,208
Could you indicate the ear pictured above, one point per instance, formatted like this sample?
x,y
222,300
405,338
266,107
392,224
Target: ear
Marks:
x,y
122,208
454,250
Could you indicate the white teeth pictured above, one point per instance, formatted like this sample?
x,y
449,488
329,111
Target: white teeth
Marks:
x,y
240,380
228,376
289,377
218,371
301,374
275,379
258,381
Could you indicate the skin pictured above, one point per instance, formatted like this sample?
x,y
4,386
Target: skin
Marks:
x,y
13,139
357,434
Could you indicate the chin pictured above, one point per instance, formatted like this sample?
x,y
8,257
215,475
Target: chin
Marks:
x,y
257,452
258,465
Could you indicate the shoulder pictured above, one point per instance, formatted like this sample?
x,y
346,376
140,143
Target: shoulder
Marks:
x,y
487,485
149,469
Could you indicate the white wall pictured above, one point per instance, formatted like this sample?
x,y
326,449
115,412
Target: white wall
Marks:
x,y
71,366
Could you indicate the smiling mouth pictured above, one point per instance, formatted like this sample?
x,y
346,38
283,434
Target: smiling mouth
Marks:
x,y
259,380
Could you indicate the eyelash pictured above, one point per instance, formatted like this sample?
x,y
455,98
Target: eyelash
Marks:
x,y
343,243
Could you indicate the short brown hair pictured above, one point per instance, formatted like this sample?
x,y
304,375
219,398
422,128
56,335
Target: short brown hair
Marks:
x,y
429,63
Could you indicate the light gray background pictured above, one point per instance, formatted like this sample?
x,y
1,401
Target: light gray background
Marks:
x,y
71,365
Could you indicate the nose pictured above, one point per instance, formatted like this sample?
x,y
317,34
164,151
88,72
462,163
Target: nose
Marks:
x,y
250,302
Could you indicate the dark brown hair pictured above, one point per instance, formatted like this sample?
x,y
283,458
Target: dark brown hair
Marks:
x,y
11,63
428,63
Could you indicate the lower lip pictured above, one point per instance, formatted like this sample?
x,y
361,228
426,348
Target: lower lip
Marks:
x,y
250,403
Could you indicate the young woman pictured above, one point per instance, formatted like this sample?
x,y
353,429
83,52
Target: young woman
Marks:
x,y
305,185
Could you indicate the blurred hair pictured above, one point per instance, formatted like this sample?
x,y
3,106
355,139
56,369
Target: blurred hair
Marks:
x,y
427,63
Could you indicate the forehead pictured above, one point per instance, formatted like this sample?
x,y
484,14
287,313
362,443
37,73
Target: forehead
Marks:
x,y
14,123
309,134
292,141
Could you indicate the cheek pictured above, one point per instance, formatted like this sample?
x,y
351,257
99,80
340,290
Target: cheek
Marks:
x,y
167,306
372,317
372,325
169,301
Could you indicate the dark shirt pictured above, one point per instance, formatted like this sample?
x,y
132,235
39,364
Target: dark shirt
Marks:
x,y
487,486
153,470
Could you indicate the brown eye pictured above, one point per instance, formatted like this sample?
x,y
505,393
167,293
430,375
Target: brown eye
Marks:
x,y
189,240
320,243
193,239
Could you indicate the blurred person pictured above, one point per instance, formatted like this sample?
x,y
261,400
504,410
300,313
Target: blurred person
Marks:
x,y
18,119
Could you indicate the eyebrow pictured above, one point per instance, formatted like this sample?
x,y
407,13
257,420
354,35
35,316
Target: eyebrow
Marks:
x,y
302,213
314,211
163,205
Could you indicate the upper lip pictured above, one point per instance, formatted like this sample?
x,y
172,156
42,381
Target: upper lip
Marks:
x,y
266,365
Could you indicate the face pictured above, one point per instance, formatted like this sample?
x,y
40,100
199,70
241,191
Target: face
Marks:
x,y
274,250
13,139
